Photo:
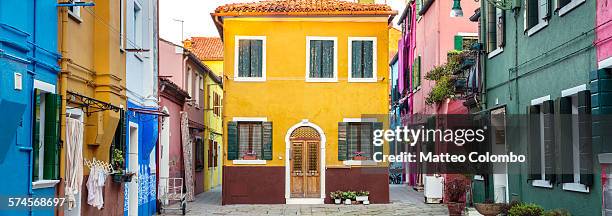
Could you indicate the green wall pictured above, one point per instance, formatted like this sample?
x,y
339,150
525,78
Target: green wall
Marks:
x,y
542,71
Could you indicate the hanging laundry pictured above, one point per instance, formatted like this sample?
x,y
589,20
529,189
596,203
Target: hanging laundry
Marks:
x,y
95,186
74,160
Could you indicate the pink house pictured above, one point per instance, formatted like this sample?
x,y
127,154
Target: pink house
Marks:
x,y
603,40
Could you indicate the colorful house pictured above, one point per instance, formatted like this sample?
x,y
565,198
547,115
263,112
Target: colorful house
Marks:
x,y
142,120
30,98
603,46
428,34
210,51
538,68
299,77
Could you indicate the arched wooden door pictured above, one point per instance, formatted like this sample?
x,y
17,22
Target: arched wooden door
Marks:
x,y
305,163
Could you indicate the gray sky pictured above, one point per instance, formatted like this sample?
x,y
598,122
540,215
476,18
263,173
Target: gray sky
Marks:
x,y
196,16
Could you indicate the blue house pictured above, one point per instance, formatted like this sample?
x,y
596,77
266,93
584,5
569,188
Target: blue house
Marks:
x,y
29,133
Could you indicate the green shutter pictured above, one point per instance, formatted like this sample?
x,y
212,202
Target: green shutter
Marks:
x,y
256,58
368,59
342,143
267,140
549,140
232,140
564,147
357,59
532,7
244,58
315,58
416,79
53,104
534,149
377,126
585,138
327,65
458,42
36,135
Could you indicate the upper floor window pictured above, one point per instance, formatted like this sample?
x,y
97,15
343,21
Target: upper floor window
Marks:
x,y
46,128
565,6
321,61
536,15
495,30
137,25
250,59
74,10
362,59
416,73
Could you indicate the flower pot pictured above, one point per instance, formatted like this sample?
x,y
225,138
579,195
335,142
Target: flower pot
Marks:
x,y
366,202
117,177
488,209
337,201
362,198
249,157
455,209
360,157
347,202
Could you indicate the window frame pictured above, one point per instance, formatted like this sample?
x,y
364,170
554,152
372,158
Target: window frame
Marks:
x,y
570,6
576,186
498,49
249,119
542,182
237,78
137,25
335,66
74,12
351,162
199,163
374,77
542,20
44,88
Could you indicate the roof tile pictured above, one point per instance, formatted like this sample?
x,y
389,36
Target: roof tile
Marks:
x,y
207,48
302,7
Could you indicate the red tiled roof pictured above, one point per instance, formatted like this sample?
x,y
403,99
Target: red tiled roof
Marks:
x,y
302,7
207,48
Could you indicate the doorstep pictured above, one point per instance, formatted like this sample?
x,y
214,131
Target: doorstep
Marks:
x,y
304,201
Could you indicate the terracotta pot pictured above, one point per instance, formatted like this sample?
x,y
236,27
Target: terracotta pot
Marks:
x,y
488,209
360,158
455,209
249,157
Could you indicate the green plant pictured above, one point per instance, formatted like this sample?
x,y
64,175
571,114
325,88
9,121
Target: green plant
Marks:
x,y
117,158
363,193
526,210
352,195
441,91
557,212
455,188
336,194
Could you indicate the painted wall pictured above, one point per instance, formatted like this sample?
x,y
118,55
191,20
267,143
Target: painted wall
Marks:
x,y
214,125
171,63
215,66
604,30
550,74
28,47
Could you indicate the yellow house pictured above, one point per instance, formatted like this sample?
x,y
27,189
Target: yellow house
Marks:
x,y
92,82
299,77
210,51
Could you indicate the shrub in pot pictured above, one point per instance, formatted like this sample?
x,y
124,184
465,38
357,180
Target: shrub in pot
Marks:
x,y
455,189
336,196
348,197
362,196
526,210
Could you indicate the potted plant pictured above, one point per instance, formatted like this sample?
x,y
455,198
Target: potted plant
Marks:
x,y
336,196
455,189
252,155
489,208
348,197
359,156
524,209
362,196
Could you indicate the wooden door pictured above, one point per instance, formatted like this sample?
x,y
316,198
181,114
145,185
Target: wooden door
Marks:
x,y
305,167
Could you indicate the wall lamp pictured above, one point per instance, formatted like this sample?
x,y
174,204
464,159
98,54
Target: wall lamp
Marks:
x,y
456,11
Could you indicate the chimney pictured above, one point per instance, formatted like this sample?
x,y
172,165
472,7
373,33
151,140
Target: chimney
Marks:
x,y
187,44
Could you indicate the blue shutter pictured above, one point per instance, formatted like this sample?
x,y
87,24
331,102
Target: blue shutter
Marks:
x,y
356,69
256,58
368,59
232,140
342,142
315,58
267,140
244,58
327,69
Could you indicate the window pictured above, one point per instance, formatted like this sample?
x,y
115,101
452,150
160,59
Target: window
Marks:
x,y
355,141
212,153
46,133
216,104
75,11
496,19
199,154
362,59
463,42
536,15
541,142
416,73
250,59
419,6
565,6
189,81
575,139
197,89
249,139
321,60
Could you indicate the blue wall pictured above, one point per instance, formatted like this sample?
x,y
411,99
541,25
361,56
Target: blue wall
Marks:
x,y
28,46
147,140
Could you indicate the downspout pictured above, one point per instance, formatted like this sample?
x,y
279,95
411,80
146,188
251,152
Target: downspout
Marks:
x,y
159,120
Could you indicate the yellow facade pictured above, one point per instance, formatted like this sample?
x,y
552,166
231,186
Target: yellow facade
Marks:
x,y
92,65
285,98
214,123
215,65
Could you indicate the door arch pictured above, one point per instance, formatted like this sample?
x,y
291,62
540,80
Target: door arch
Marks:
x,y
305,137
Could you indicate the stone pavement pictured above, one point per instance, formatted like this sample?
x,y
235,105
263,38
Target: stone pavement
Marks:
x,y
404,202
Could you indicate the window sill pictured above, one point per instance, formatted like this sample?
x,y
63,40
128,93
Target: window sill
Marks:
x,y
576,187
495,52
249,162
322,80
44,184
478,177
537,28
542,183
359,163
249,79
75,17
570,6
362,80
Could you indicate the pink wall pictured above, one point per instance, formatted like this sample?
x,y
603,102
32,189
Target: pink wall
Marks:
x,y
434,38
176,154
171,63
603,39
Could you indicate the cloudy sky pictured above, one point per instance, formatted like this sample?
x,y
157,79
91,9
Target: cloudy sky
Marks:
x,y
195,15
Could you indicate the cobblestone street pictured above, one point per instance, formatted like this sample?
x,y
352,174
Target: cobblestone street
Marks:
x,y
403,202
